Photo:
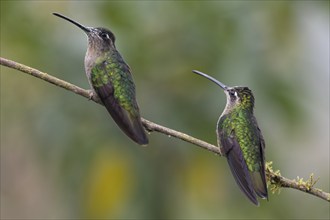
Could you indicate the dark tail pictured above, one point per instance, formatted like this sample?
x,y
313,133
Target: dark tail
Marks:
x,y
259,184
129,123
241,174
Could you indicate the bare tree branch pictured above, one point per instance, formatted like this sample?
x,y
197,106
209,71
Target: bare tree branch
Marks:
x,y
274,177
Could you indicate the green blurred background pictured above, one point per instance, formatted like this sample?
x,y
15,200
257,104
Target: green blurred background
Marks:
x,y
62,156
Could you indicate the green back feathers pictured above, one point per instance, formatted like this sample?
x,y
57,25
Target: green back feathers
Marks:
x,y
114,71
238,124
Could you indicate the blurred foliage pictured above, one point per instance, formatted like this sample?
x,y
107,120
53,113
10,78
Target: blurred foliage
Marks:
x,y
63,156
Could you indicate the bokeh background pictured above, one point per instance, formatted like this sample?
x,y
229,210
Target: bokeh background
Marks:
x,y
62,156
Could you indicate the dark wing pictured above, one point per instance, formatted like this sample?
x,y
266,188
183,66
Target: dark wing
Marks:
x,y
231,149
126,115
260,184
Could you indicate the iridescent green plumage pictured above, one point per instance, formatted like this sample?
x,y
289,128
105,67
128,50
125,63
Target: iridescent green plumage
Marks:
x,y
241,141
113,70
111,79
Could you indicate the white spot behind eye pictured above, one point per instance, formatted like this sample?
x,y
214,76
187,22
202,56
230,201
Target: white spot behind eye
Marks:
x,y
235,94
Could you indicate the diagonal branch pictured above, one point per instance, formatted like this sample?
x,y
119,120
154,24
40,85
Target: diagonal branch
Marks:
x,y
274,177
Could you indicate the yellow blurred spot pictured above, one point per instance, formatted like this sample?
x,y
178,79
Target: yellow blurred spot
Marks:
x,y
109,185
202,185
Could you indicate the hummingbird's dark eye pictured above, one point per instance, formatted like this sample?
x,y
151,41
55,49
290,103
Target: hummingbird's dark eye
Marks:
x,y
233,94
104,35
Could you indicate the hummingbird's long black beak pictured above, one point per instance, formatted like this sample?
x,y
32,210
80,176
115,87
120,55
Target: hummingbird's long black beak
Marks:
x,y
84,28
223,86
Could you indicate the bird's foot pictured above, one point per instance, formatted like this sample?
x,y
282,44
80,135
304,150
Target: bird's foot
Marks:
x,y
93,96
222,153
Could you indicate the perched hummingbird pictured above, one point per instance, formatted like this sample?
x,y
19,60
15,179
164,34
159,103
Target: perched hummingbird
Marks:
x,y
111,79
241,141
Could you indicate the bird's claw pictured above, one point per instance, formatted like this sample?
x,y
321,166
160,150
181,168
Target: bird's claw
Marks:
x,y
93,96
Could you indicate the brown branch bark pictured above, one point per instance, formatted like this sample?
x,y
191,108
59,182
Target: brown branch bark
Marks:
x,y
273,177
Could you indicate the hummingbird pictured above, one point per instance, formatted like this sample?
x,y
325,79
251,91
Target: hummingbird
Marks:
x,y
241,142
111,79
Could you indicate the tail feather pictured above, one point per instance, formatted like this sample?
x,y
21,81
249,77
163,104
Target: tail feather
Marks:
x,y
259,185
241,174
139,134
129,123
